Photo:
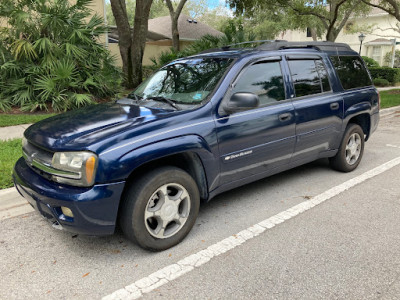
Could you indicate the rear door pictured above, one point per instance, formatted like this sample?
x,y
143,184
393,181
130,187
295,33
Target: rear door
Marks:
x,y
257,140
319,111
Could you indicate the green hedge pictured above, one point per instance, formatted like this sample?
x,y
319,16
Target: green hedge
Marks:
x,y
391,75
381,82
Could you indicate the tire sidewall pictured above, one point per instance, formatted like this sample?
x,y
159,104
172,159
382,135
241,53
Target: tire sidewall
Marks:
x,y
141,196
353,128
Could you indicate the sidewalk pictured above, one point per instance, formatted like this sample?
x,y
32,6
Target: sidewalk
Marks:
x,y
11,202
13,132
387,88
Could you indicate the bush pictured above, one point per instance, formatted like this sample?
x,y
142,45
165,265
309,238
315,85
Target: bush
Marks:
x,y
391,75
51,57
381,82
371,63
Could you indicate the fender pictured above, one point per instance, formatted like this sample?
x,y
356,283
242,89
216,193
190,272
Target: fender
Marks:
x,y
355,110
128,162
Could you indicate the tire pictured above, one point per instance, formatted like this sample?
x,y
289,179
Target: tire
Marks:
x,y
351,150
150,215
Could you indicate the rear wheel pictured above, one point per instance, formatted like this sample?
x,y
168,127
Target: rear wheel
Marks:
x,y
351,150
159,210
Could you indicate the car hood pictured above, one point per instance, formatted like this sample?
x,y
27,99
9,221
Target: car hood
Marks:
x,y
80,128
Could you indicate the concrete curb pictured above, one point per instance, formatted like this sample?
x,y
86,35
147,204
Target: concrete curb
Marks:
x,y
386,111
5,192
12,204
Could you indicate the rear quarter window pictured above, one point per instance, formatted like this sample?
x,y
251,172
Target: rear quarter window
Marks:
x,y
351,71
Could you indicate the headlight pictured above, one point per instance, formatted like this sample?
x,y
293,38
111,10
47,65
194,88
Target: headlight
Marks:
x,y
80,167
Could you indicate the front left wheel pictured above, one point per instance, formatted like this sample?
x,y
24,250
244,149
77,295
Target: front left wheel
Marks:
x,y
160,208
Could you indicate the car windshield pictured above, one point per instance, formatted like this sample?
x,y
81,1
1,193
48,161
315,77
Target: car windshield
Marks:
x,y
187,81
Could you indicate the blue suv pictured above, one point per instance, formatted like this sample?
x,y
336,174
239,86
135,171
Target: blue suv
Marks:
x,y
197,127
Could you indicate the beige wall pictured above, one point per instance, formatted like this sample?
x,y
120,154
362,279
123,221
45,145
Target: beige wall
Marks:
x,y
382,21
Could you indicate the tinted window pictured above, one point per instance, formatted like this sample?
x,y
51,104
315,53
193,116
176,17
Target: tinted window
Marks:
x,y
187,81
309,77
351,71
323,74
264,80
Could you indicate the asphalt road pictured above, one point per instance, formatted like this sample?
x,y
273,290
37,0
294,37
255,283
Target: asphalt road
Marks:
x,y
344,248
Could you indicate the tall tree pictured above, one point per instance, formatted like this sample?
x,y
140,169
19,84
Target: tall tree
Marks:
x,y
175,13
392,7
131,46
332,14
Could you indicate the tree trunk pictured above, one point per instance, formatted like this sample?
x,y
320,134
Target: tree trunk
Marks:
x,y
124,39
140,27
314,34
174,14
175,34
331,35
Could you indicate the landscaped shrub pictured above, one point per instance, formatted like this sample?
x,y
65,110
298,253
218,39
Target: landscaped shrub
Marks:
x,y
371,63
51,56
391,75
381,82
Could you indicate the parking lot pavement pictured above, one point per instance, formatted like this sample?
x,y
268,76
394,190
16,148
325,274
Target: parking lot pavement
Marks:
x,y
345,247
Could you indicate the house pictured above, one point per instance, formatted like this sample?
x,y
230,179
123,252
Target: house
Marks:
x,y
380,30
159,36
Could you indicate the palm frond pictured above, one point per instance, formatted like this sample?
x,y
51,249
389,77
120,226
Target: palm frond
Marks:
x,y
23,49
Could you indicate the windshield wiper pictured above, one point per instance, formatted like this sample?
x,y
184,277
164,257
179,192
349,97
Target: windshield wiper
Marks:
x,y
166,100
135,97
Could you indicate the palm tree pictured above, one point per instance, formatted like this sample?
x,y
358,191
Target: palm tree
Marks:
x,y
51,56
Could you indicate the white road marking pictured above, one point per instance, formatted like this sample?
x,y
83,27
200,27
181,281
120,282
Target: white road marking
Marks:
x,y
393,146
189,263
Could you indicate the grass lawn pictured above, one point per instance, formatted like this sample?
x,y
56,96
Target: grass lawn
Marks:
x,y
16,119
390,98
10,151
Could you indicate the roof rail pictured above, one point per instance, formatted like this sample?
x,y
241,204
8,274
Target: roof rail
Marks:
x,y
227,47
321,46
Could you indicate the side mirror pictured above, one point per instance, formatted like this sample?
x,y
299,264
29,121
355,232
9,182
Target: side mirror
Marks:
x,y
240,102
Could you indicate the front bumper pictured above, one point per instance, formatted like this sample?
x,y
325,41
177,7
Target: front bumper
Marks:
x,y
95,208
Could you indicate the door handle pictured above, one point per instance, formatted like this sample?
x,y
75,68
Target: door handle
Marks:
x,y
285,117
334,106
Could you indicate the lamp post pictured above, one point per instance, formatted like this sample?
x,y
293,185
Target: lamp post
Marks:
x,y
361,38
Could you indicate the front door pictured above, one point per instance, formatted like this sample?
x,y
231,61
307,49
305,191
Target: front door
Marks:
x,y
255,141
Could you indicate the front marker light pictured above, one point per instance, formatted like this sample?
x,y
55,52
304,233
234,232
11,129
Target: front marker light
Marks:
x,y
80,167
90,168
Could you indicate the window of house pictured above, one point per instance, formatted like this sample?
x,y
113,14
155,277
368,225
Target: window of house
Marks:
x,y
309,77
309,33
377,53
351,71
263,79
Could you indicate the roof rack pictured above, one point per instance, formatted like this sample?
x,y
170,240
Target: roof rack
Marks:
x,y
229,47
283,44
321,46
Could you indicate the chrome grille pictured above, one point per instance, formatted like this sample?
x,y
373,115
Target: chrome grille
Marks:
x,y
33,152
